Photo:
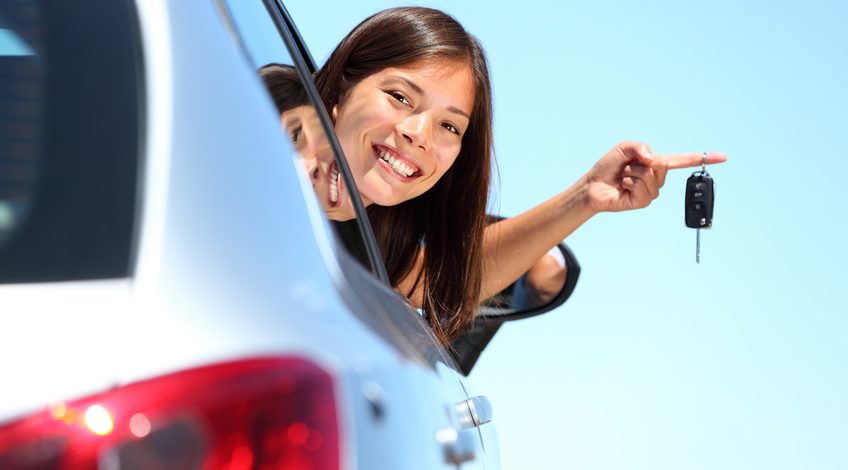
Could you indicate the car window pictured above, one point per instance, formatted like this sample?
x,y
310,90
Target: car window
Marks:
x,y
283,72
69,140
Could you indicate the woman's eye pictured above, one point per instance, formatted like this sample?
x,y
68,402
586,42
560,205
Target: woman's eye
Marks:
x,y
451,128
400,97
295,133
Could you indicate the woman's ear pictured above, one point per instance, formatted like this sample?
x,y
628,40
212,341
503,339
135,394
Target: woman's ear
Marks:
x,y
334,113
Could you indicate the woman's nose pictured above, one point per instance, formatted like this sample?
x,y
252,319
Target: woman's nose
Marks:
x,y
414,130
310,164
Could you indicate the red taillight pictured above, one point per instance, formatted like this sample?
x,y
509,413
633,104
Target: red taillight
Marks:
x,y
274,413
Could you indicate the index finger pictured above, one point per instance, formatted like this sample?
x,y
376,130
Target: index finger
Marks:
x,y
690,159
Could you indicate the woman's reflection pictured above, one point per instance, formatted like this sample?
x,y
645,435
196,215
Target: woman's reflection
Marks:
x,y
303,127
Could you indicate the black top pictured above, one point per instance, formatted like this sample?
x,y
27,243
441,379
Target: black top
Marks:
x,y
350,236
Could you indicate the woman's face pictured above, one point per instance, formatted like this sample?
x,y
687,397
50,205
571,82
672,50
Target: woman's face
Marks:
x,y
304,129
401,128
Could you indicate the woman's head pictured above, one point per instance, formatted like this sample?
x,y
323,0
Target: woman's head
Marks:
x,y
402,128
410,94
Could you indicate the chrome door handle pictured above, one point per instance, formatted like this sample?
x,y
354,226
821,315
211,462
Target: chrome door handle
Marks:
x,y
474,412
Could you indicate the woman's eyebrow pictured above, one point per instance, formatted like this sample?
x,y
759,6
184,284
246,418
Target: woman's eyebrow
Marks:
x,y
420,91
459,111
409,82
292,121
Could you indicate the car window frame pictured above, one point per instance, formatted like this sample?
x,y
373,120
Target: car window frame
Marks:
x,y
287,31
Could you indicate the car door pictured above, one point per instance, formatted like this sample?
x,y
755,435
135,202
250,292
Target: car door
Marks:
x,y
267,36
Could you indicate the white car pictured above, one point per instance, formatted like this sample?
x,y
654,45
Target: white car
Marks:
x,y
172,296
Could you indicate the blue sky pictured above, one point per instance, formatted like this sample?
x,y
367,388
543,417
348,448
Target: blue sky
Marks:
x,y
11,44
656,362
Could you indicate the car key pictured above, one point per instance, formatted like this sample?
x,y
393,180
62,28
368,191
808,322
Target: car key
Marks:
x,y
700,196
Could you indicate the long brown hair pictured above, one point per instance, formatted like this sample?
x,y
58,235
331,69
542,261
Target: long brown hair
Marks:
x,y
447,221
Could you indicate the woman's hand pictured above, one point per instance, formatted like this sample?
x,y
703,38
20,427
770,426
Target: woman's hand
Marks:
x,y
630,176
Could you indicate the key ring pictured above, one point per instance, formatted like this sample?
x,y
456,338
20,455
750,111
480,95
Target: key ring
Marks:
x,y
704,163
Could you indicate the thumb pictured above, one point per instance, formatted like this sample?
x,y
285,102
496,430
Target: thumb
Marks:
x,y
637,151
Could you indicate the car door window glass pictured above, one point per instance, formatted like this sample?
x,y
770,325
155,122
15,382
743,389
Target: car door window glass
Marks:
x,y
299,119
70,111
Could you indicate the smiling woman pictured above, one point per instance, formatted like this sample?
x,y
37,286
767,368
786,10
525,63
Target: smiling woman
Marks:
x,y
402,128
410,97
410,92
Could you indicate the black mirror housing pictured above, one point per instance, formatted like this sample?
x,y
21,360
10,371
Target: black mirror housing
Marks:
x,y
504,307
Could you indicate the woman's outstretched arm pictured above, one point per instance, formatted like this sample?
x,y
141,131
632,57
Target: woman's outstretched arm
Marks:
x,y
628,177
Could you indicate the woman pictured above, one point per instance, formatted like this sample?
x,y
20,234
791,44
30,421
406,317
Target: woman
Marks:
x,y
409,92
410,96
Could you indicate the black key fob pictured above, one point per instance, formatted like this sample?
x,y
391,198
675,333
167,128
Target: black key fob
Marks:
x,y
700,196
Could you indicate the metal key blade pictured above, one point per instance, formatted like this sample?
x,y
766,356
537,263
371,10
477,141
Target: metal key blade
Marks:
x,y
698,246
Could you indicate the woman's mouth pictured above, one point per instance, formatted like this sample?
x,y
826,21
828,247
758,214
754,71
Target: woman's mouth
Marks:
x,y
334,182
399,166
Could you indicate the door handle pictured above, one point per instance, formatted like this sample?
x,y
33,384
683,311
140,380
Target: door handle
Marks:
x,y
459,446
474,412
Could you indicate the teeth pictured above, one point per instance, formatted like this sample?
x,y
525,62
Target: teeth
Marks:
x,y
334,186
396,164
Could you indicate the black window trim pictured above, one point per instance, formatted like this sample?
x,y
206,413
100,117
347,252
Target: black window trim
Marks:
x,y
286,28
298,39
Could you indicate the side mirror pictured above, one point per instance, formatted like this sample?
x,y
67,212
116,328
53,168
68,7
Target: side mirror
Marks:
x,y
547,285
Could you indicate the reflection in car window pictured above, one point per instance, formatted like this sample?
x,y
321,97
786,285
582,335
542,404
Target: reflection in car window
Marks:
x,y
299,119
22,82
68,140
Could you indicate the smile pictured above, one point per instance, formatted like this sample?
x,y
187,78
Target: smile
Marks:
x,y
333,186
398,165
